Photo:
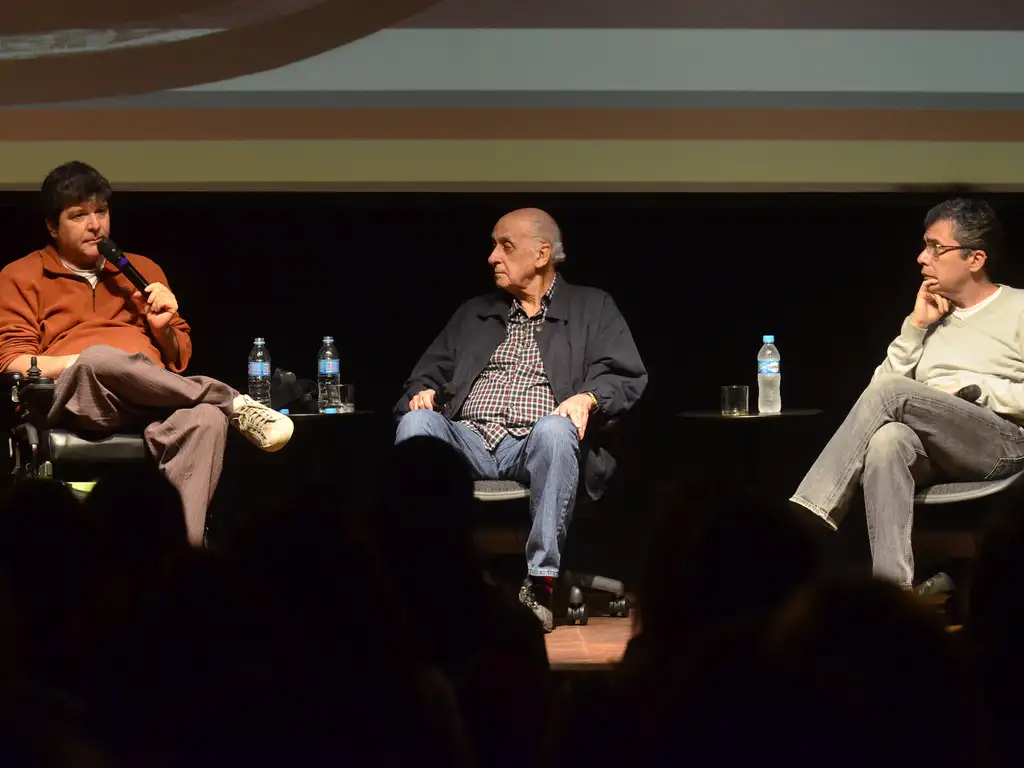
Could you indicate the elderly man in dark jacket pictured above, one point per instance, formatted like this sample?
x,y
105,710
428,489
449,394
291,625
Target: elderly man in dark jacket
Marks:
x,y
529,366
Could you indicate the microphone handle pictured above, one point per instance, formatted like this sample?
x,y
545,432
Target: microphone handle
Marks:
x,y
133,275
970,393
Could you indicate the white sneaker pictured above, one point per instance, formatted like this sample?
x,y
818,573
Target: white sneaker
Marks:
x,y
261,424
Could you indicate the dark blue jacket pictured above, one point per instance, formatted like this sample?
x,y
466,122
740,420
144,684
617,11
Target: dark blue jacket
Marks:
x,y
585,344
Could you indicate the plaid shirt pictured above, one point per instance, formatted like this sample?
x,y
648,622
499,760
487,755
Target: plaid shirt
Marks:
x,y
512,392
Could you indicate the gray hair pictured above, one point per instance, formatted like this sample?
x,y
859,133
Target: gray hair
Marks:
x,y
546,230
975,226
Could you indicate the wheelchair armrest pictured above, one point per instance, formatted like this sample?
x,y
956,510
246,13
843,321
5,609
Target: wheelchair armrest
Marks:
x,y
37,397
41,386
22,397
24,384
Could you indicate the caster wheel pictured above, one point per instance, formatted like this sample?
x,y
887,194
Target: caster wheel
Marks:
x,y
578,614
618,606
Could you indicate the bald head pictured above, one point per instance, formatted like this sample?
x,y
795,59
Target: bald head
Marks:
x,y
543,228
526,248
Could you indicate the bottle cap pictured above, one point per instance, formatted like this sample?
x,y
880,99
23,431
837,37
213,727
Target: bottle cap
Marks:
x,y
259,340
328,339
769,339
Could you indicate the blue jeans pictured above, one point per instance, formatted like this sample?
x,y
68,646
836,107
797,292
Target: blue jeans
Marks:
x,y
902,435
547,460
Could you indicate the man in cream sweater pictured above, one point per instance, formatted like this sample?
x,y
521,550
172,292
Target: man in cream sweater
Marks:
x,y
909,428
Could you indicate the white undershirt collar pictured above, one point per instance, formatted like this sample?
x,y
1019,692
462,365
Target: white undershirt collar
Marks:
x,y
962,314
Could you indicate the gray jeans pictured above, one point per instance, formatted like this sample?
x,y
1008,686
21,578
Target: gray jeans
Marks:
x,y
902,434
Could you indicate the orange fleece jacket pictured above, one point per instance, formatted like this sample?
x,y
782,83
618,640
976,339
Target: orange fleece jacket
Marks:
x,y
45,309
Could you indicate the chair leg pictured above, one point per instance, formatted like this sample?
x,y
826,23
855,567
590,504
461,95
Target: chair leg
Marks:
x,y
577,613
618,604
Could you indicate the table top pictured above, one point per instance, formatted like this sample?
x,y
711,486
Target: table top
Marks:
x,y
786,412
328,415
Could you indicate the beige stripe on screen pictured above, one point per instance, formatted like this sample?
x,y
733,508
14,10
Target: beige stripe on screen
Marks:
x,y
508,164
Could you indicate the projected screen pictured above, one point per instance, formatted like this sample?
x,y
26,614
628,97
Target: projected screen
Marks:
x,y
581,94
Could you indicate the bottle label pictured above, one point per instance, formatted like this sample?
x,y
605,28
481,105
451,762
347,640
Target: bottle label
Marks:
x,y
767,367
259,369
329,367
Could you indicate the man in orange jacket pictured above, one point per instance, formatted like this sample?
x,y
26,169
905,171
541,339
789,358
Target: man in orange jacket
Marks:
x,y
115,353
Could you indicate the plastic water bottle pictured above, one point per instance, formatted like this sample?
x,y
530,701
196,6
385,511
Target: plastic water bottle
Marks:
x,y
328,377
769,378
259,372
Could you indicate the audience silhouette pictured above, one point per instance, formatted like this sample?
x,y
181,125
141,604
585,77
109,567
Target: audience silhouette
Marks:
x,y
333,630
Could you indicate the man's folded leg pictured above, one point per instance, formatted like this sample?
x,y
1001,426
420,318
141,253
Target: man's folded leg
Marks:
x,y
901,433
965,441
107,388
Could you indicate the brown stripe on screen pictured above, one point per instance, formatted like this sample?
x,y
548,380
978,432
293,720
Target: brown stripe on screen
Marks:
x,y
491,124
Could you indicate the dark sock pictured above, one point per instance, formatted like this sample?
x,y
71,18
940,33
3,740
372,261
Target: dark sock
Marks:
x,y
543,589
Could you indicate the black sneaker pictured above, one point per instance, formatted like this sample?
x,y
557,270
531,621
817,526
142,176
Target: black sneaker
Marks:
x,y
542,612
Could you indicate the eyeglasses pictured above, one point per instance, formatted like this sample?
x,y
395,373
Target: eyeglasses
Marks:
x,y
936,249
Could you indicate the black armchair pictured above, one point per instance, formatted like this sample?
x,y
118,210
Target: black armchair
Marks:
x,y
949,534
38,450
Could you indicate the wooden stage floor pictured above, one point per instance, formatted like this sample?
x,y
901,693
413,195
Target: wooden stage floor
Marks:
x,y
598,645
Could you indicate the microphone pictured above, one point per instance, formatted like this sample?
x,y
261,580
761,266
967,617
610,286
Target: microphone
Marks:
x,y
108,248
970,393
445,395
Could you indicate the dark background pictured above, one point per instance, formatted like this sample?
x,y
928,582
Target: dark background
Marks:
x,y
699,278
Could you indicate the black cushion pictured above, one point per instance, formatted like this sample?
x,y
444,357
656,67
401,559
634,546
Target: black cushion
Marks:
x,y
72,447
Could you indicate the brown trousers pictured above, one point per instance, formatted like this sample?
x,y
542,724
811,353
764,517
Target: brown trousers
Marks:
x,y
184,419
